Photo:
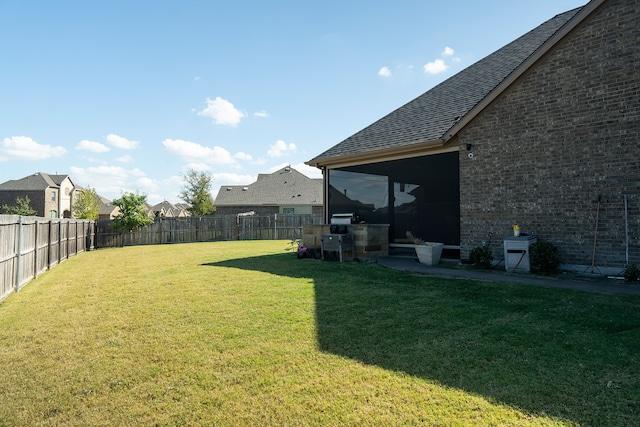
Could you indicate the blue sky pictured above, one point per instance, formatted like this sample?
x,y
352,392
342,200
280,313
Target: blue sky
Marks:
x,y
128,95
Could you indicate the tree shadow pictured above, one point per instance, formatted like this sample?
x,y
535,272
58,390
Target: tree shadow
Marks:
x,y
550,352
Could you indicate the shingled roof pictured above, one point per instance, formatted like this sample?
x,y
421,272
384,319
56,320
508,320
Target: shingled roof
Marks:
x,y
286,186
37,181
432,117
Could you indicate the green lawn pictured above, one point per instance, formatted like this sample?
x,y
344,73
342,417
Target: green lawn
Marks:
x,y
245,334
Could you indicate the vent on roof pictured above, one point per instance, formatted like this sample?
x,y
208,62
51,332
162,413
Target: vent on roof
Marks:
x,y
245,188
228,188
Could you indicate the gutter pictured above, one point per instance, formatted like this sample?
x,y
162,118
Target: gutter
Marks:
x,y
415,149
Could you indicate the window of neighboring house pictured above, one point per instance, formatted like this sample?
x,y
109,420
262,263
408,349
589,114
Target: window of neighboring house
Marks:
x,y
53,214
53,196
288,211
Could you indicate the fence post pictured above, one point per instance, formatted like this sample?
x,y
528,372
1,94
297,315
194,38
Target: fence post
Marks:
x,y
19,254
35,253
49,249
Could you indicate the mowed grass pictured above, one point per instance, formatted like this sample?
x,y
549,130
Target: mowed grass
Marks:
x,y
244,334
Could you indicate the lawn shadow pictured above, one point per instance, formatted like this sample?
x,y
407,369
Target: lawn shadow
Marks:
x,y
550,352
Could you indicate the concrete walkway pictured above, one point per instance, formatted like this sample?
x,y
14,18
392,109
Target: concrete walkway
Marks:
x,y
600,284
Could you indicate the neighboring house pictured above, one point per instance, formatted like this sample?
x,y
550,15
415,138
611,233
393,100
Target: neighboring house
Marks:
x,y
166,209
543,133
50,195
285,191
184,207
107,209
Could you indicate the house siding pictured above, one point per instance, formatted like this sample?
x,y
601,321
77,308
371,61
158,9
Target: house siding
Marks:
x,y
563,136
267,210
234,210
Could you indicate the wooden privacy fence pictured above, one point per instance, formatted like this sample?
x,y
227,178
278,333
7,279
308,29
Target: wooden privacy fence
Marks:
x,y
207,228
31,245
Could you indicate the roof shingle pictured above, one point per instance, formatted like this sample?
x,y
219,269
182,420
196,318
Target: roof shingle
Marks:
x,y
286,186
431,115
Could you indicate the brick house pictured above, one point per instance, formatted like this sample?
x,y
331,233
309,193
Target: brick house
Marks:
x,y
285,191
543,133
51,196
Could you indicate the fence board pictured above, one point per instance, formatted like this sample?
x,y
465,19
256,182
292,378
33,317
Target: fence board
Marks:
x,y
30,245
207,228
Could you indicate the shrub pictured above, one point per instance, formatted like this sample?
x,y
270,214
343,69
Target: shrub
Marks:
x,y
544,258
480,257
631,273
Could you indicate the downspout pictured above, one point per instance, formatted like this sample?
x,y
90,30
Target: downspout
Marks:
x,y
325,193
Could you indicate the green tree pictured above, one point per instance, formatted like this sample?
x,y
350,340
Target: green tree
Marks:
x,y
20,208
196,192
87,204
133,213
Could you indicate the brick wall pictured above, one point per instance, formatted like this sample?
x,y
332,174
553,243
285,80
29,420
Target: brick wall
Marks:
x,y
36,200
565,134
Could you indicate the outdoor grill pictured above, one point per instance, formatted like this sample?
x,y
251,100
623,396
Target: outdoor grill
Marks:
x,y
343,218
340,243
339,239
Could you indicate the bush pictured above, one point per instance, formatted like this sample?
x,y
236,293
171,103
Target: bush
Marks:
x,y
480,257
544,258
631,273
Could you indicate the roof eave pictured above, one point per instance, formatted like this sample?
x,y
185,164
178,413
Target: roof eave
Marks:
x,y
522,68
386,154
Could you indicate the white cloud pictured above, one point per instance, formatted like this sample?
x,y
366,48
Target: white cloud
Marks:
x,y
93,146
385,72
125,159
261,113
243,156
196,166
109,181
23,147
439,65
260,161
222,112
112,181
234,178
146,185
280,148
435,67
224,179
120,142
310,171
192,152
304,169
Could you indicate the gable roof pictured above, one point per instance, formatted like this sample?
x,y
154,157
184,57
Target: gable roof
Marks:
x,y
163,206
286,186
107,207
35,182
168,209
433,118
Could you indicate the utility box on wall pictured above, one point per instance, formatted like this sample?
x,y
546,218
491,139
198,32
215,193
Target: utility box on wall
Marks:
x,y
516,253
